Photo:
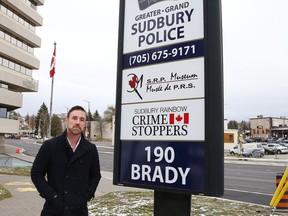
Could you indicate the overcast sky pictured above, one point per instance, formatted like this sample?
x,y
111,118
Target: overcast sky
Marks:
x,y
255,53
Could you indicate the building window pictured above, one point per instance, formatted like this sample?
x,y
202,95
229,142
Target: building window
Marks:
x,y
17,67
5,9
15,41
228,138
3,112
29,72
5,62
13,66
5,86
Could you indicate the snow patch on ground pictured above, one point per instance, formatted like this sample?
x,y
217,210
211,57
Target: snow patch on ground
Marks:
x,y
141,204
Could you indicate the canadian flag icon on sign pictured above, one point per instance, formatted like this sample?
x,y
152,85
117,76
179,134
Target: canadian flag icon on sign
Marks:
x,y
179,118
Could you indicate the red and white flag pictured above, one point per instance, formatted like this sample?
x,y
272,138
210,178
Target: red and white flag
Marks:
x,y
179,118
53,63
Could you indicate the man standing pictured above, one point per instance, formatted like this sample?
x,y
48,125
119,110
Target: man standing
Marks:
x,y
66,170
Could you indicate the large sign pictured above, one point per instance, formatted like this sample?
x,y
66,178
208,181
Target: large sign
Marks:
x,y
161,107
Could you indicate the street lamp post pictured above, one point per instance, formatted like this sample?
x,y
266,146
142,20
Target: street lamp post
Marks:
x,y
88,108
88,119
67,109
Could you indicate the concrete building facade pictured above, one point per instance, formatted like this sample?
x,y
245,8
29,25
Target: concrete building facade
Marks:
x,y
101,130
18,22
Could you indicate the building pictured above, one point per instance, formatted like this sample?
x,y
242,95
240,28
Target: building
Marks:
x,y
100,130
18,22
267,127
230,136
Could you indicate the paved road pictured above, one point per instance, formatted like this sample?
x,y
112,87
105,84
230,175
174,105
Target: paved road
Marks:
x,y
31,148
245,180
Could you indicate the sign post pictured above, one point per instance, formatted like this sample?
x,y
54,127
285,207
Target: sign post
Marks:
x,y
169,105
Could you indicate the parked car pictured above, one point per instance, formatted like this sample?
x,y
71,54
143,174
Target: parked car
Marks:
x,y
254,153
284,144
279,140
267,150
246,148
235,150
14,136
248,140
272,139
278,148
264,139
257,139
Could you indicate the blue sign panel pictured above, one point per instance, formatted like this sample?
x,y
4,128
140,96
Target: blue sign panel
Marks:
x,y
181,51
163,164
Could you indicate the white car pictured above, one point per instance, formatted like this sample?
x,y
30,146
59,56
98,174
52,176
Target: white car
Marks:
x,y
278,148
235,150
246,148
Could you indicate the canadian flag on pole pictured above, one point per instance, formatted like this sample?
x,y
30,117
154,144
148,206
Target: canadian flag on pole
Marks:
x,y
53,62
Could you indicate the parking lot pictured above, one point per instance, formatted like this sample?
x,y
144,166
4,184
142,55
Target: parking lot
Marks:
x,y
269,156
267,150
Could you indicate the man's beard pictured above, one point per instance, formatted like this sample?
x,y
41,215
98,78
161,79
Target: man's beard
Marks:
x,y
75,130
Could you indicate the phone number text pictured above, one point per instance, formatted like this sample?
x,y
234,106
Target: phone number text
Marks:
x,y
185,50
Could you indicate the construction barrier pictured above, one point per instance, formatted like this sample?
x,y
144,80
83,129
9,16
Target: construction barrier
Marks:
x,y
283,203
281,192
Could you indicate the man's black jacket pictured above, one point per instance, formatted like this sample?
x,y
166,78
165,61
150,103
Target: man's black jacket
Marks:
x,y
65,179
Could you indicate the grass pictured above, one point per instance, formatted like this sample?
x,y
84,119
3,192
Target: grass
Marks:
x,y
4,194
124,203
141,203
22,171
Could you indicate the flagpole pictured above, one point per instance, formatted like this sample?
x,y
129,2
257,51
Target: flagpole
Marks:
x,y
51,100
51,97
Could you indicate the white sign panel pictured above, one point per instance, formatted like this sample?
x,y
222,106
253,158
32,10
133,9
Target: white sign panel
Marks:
x,y
152,23
170,81
180,120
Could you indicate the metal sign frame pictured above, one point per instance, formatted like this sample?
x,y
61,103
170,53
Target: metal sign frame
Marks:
x,y
167,159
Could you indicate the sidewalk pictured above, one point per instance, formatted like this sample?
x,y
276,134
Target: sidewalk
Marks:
x,y
25,199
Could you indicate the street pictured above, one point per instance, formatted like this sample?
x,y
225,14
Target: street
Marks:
x,y
254,183
31,148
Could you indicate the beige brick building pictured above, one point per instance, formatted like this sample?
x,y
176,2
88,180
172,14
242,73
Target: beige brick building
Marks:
x,y
267,127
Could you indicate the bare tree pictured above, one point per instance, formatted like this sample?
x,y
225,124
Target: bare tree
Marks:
x,y
32,122
109,113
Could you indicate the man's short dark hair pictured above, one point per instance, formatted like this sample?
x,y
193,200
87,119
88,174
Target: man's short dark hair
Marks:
x,y
77,107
